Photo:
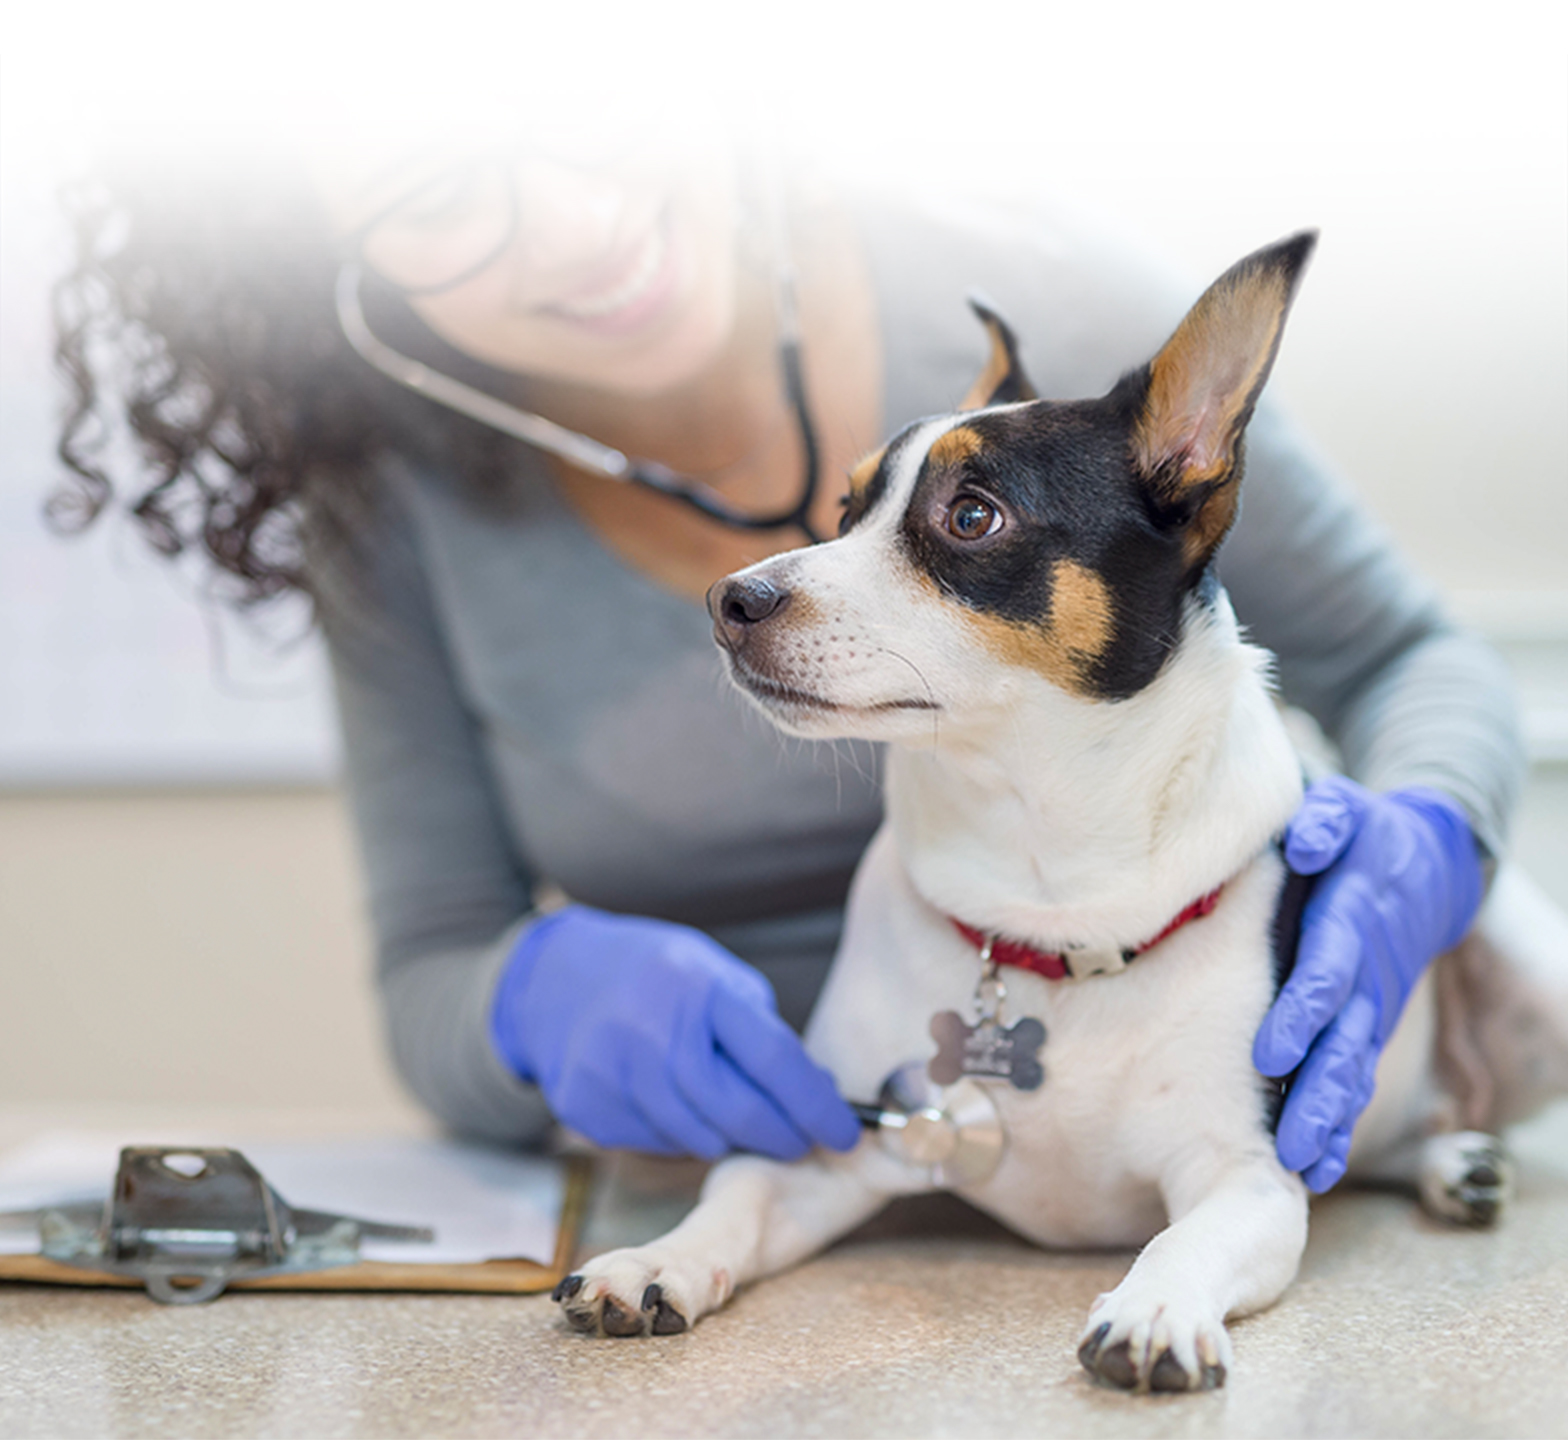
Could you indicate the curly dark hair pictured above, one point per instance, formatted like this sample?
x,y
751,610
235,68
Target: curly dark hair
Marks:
x,y
199,315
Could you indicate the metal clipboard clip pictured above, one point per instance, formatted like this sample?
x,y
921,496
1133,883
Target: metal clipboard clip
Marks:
x,y
187,1221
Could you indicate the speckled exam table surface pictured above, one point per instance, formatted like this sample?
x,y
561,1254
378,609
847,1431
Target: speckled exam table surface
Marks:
x,y
928,1321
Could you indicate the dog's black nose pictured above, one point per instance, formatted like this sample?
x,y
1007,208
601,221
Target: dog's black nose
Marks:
x,y
738,604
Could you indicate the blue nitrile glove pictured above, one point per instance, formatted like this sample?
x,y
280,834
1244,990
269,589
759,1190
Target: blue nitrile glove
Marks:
x,y
1401,882
650,1036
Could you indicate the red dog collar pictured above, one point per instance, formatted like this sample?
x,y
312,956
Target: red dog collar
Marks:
x,y
1060,966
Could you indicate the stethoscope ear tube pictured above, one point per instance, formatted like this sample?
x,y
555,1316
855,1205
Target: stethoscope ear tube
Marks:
x,y
580,450
583,451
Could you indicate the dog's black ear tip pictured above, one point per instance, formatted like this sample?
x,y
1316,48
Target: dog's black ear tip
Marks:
x,y
986,312
1003,380
983,306
1285,261
1292,253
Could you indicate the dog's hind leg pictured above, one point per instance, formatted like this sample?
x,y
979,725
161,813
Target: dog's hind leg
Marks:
x,y
1485,1048
755,1217
1503,1012
1231,1250
1461,1171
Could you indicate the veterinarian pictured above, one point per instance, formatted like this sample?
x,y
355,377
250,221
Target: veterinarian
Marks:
x,y
329,368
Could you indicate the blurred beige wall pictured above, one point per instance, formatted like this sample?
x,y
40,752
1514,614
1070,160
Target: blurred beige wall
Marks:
x,y
204,947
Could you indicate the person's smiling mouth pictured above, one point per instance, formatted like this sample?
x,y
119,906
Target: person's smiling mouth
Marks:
x,y
633,292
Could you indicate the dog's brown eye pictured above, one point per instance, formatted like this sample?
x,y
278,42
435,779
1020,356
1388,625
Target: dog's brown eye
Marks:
x,y
971,518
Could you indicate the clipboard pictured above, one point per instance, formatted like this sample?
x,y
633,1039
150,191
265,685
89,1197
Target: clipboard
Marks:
x,y
504,1274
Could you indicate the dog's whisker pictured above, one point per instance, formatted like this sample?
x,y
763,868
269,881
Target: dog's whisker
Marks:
x,y
936,710
865,772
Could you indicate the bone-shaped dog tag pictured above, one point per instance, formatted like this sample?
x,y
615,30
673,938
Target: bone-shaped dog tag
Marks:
x,y
988,1050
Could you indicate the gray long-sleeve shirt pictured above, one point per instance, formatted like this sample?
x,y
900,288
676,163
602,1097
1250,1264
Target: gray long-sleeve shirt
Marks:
x,y
520,707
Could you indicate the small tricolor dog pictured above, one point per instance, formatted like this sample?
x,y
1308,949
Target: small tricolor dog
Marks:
x,y
1087,778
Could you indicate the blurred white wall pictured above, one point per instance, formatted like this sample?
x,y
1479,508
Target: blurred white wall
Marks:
x,y
159,943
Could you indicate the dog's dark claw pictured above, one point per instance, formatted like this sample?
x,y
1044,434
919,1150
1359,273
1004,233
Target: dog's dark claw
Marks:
x,y
567,1288
1169,1374
1115,1367
1091,1346
1480,1191
667,1320
618,1322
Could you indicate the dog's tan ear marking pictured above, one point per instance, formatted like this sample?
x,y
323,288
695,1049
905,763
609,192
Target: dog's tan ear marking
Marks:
x,y
1202,388
1003,380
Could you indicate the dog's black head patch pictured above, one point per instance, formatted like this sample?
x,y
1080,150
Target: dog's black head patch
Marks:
x,y
1075,532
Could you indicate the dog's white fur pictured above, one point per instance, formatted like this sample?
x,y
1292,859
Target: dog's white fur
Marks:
x,y
1028,811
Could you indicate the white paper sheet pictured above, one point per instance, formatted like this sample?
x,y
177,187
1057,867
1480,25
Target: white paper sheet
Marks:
x,y
483,1204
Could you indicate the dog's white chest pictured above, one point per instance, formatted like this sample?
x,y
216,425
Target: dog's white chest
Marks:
x,y
1086,1151
1145,1071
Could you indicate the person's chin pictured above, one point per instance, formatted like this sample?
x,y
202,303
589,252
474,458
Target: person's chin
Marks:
x,y
685,352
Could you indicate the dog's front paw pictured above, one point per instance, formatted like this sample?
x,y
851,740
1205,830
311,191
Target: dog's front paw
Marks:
x,y
637,1292
1141,1344
1466,1177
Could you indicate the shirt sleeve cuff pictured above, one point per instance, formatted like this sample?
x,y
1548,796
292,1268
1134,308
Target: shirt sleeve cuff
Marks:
x,y
438,1019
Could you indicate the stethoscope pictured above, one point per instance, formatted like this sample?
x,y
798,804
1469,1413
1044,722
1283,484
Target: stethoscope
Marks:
x,y
953,1132
583,451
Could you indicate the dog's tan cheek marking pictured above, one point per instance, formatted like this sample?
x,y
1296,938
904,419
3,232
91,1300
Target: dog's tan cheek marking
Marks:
x,y
1073,637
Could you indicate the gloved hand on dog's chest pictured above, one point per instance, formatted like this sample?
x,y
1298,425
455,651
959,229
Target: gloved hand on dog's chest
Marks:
x,y
646,1035
1400,882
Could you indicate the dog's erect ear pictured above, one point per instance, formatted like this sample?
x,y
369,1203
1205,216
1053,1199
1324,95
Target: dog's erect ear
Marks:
x,y
1202,387
1003,380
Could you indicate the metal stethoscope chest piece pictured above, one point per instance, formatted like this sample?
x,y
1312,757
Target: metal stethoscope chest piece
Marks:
x,y
954,1131
938,1115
